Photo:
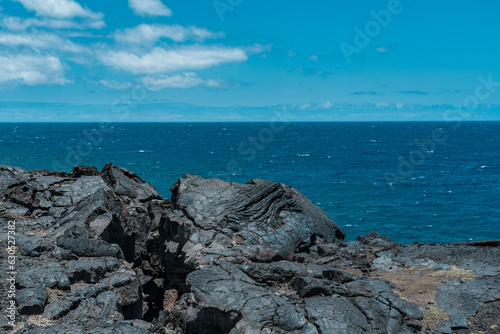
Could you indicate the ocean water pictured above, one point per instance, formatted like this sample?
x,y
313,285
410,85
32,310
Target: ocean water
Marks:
x,y
426,182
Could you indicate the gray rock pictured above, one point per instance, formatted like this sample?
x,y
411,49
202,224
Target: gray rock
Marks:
x,y
127,183
78,240
51,276
90,271
464,299
268,219
31,301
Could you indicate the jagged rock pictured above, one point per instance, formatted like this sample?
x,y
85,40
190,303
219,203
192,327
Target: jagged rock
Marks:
x,y
260,221
33,245
31,301
51,276
90,271
59,308
106,305
217,257
463,299
377,240
481,258
127,183
4,322
84,171
77,239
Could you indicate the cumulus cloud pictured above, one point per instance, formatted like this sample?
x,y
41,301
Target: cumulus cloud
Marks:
x,y
62,9
160,60
184,80
39,41
149,8
31,70
148,34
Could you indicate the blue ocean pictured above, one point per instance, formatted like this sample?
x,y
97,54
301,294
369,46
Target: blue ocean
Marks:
x,y
410,181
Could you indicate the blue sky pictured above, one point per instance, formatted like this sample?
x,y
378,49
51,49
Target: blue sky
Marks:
x,y
242,60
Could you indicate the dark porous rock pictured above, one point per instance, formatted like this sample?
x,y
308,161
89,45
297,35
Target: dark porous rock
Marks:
x,y
78,240
90,270
127,183
4,322
360,305
219,258
34,245
376,240
262,220
481,258
90,326
463,300
105,306
31,301
84,171
51,276
58,308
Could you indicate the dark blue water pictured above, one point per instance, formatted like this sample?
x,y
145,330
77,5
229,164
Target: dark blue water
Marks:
x,y
426,182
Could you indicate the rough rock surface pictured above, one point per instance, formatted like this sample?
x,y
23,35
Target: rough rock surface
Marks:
x,y
102,252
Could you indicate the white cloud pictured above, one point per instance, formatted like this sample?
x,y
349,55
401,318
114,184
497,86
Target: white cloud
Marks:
x,y
31,70
382,49
39,41
184,80
17,24
399,105
148,34
291,53
149,8
326,105
160,60
258,48
313,58
116,85
62,9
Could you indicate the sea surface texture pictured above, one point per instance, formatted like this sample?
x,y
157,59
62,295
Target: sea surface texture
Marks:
x,y
427,182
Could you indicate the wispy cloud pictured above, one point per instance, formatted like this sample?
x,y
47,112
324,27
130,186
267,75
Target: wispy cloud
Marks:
x,y
160,60
40,41
62,9
413,92
326,105
382,49
116,85
184,80
149,8
365,93
313,58
31,70
17,24
149,34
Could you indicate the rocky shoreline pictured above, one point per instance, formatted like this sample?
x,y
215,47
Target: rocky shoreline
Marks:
x,y
102,252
